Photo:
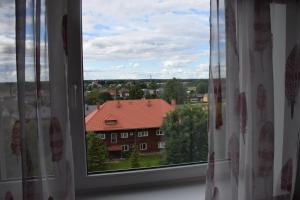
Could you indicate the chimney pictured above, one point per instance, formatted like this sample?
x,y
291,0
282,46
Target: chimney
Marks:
x,y
173,103
99,103
119,104
149,103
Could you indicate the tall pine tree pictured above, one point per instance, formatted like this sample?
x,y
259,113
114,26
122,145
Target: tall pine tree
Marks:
x,y
96,153
134,157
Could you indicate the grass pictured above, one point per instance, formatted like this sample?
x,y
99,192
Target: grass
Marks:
x,y
152,160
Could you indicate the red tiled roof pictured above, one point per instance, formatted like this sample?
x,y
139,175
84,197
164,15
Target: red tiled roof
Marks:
x,y
128,114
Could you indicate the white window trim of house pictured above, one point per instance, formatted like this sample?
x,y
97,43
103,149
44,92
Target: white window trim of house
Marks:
x,y
125,147
114,140
143,146
159,132
161,145
102,136
143,134
124,135
83,181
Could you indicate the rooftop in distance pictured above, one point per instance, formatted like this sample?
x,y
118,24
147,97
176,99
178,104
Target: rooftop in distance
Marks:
x,y
128,114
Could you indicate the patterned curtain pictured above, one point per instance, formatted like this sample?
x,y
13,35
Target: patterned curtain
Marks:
x,y
35,144
254,106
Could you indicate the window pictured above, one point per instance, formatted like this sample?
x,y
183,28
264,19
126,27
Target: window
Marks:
x,y
124,135
161,145
114,138
108,67
159,132
125,147
143,146
133,100
101,136
142,133
111,122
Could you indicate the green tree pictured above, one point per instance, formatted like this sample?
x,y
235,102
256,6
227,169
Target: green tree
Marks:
x,y
143,85
185,135
202,87
96,153
92,97
150,96
105,96
174,90
153,85
135,91
135,157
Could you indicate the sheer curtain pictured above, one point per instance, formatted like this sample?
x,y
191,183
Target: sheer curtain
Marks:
x,y
35,145
254,109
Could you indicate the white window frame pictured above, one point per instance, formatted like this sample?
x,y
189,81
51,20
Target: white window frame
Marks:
x,y
125,149
102,136
124,135
161,145
143,134
142,146
114,140
159,132
129,179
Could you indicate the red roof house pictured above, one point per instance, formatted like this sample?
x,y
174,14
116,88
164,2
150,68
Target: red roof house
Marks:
x,y
121,124
128,114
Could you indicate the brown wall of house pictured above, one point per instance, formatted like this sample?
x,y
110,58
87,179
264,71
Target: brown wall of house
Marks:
x,y
152,139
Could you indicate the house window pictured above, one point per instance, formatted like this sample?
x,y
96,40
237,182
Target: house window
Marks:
x,y
143,146
114,138
124,135
125,147
161,145
101,136
159,132
142,133
111,122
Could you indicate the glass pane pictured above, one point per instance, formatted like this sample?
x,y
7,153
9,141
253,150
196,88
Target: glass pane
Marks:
x,y
145,69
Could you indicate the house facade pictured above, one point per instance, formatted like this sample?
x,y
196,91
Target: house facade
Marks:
x,y
122,124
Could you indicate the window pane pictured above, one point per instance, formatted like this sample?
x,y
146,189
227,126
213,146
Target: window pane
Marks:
x,y
145,82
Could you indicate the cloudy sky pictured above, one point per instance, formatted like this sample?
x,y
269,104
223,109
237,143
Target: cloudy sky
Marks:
x,y
127,39
136,39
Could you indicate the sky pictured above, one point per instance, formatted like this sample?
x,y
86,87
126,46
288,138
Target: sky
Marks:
x,y
124,39
141,39
8,71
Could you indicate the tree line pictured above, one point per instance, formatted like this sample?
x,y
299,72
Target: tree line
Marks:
x,y
172,89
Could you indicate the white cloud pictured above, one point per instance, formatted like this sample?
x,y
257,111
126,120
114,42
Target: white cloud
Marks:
x,y
134,31
181,60
201,71
143,29
134,65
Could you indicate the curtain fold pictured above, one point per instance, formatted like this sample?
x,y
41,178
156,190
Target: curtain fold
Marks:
x,y
253,153
35,142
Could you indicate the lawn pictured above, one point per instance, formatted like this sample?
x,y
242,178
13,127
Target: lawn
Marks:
x,y
152,160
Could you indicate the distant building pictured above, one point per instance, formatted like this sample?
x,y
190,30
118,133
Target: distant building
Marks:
x,y
124,123
123,93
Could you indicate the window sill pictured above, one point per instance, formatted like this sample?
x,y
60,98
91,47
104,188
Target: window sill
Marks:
x,y
131,180
178,191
